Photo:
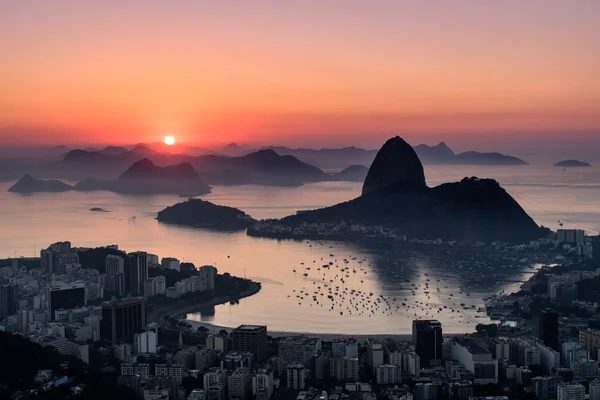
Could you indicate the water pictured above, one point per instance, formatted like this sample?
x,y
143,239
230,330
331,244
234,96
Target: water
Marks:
x,y
548,194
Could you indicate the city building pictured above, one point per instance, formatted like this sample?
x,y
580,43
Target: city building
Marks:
x,y
123,318
427,338
375,354
548,328
146,341
344,348
595,389
262,384
138,272
174,371
170,263
589,339
9,300
544,387
387,374
251,338
215,384
239,384
570,391
476,360
207,274
295,374
294,349
344,368
114,266
65,297
425,391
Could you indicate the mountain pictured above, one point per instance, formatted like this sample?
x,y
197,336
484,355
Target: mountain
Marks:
x,y
395,163
144,177
572,164
200,213
263,167
438,154
354,173
28,184
328,158
476,158
113,151
395,195
233,150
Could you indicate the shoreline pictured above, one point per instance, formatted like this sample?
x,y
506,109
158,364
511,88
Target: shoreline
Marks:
x,y
176,310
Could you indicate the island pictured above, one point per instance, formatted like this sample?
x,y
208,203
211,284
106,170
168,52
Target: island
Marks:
x,y
395,196
201,213
28,184
142,178
572,164
98,209
354,173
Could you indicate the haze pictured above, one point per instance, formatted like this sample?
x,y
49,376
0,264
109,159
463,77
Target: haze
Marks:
x,y
300,73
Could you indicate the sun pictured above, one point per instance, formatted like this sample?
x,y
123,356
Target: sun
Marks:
x,y
169,140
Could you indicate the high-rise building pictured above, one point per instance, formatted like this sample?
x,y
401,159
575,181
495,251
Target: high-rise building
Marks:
x,y
293,349
252,338
114,265
262,384
138,272
545,387
595,389
146,342
425,391
215,384
548,328
344,368
427,338
238,384
570,391
387,374
170,263
207,273
476,360
121,319
375,354
65,297
160,285
295,374
9,300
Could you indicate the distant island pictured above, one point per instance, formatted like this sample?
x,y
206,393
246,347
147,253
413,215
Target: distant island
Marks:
x,y
28,184
354,173
98,209
395,195
201,213
143,177
572,164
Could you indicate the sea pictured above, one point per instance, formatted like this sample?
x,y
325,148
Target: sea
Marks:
x,y
366,288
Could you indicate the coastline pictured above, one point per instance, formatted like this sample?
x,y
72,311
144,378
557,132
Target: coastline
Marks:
x,y
176,310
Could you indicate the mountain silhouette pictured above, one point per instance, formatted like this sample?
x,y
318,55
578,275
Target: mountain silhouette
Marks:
x,y
395,196
28,184
200,213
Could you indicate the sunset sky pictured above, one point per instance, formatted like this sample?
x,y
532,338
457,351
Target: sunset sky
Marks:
x,y
298,72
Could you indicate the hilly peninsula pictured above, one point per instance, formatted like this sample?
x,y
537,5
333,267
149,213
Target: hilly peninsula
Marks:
x,y
395,195
201,213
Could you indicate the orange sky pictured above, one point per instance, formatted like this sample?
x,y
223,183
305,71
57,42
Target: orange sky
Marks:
x,y
282,72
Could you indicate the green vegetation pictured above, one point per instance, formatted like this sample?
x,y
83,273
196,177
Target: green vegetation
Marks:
x,y
589,290
490,329
22,359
